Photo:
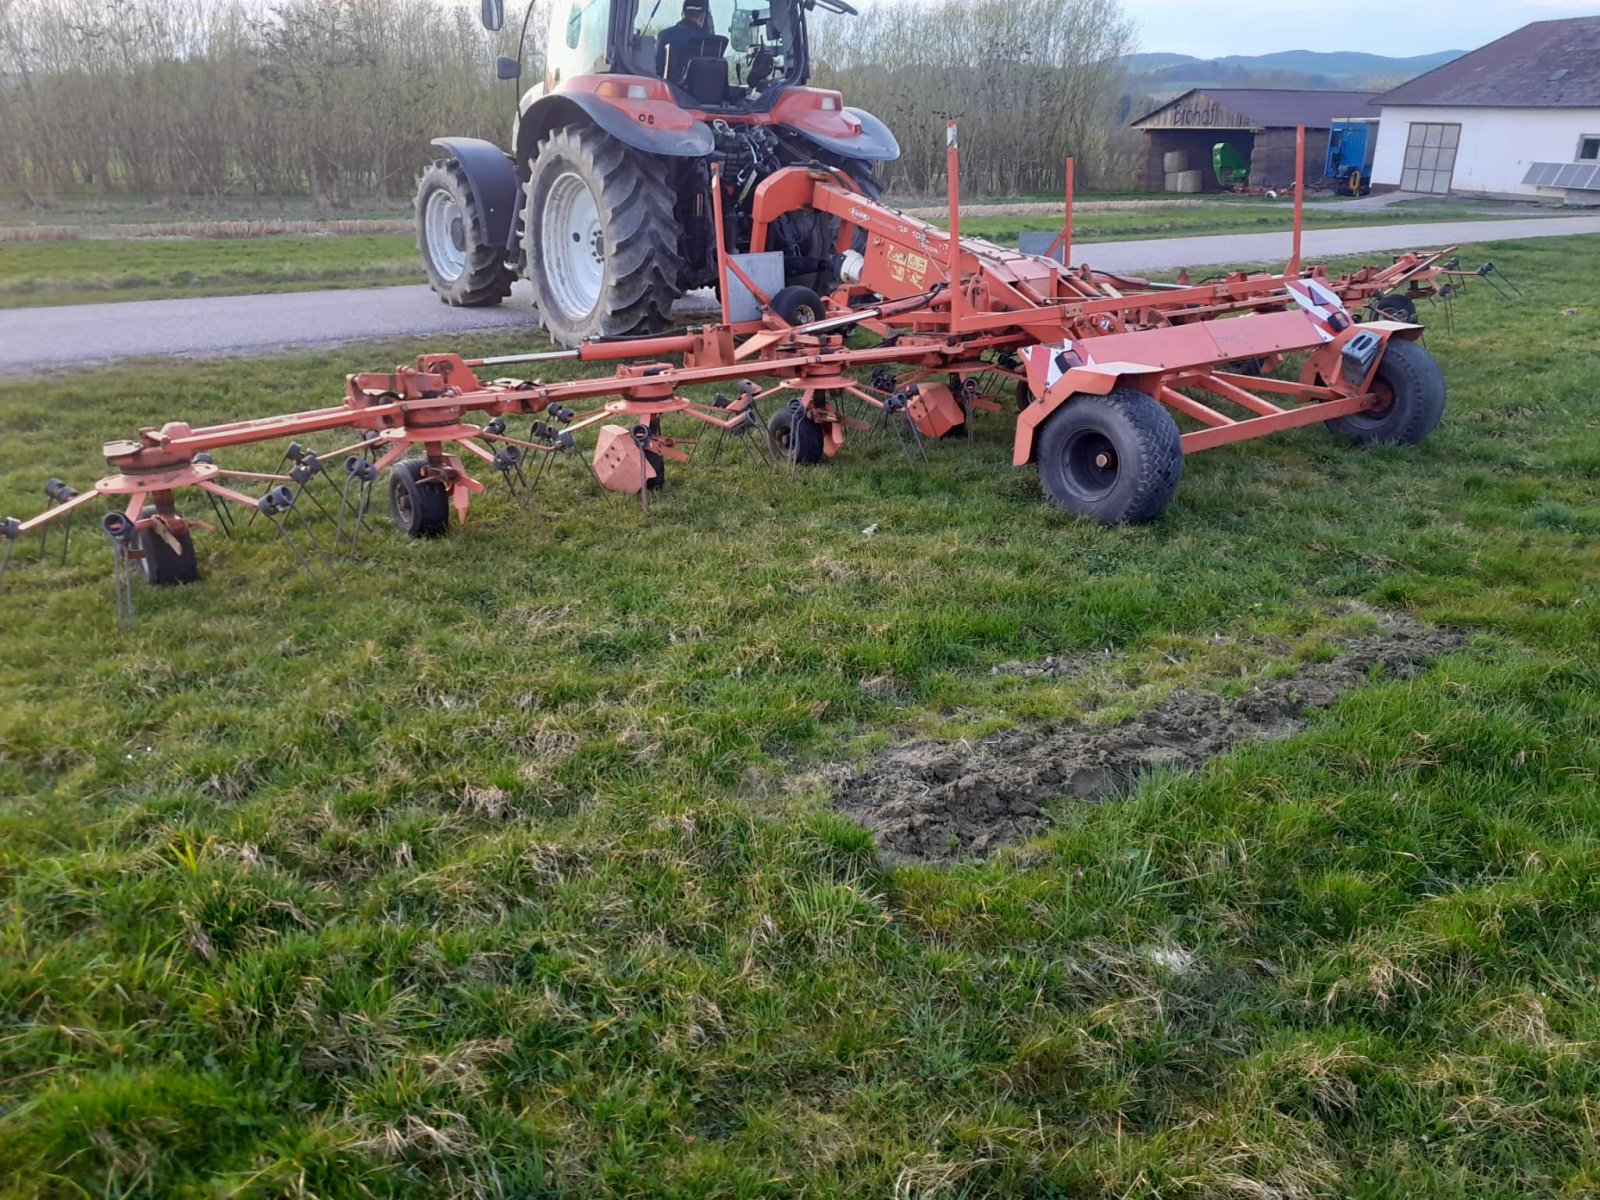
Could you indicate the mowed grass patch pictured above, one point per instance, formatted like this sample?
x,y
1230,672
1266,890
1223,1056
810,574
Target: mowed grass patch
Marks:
x,y
92,271
484,868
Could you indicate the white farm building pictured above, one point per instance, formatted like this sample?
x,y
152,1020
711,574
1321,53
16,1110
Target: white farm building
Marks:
x,y
1519,117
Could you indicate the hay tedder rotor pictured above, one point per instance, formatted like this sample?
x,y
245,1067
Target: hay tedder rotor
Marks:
x,y
1111,383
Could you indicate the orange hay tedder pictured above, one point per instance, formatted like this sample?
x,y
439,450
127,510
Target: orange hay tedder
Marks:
x,y
922,330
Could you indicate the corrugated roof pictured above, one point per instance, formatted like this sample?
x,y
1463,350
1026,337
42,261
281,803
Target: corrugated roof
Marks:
x,y
1281,108
1549,64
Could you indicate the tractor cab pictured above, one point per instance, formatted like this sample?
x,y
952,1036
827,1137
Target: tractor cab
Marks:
x,y
744,56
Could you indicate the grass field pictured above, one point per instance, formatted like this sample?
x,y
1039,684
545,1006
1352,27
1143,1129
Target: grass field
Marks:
x,y
506,865
92,270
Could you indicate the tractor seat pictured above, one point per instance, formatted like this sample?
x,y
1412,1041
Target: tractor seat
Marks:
x,y
706,79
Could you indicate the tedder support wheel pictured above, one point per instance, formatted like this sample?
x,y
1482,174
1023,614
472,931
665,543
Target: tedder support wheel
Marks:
x,y
1395,307
419,508
601,238
165,566
464,269
794,437
1116,458
799,306
1411,391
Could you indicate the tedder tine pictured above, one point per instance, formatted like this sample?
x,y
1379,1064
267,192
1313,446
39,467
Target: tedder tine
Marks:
x,y
122,532
10,528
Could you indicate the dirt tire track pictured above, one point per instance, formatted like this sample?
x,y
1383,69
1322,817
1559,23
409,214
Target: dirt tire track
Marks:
x,y
944,801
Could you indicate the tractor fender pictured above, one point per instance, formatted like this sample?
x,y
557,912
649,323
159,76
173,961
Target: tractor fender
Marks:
x,y
1098,380
493,181
875,142
652,127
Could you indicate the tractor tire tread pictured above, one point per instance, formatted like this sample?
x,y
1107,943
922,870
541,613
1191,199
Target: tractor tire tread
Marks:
x,y
641,272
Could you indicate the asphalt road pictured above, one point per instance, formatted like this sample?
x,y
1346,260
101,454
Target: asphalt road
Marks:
x,y
35,339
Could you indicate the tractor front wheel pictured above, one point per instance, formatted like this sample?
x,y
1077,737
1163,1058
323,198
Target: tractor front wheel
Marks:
x,y
601,238
464,269
1115,458
1411,394
419,508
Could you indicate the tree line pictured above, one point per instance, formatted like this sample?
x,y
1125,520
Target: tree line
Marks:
x,y
1032,81
337,100
332,99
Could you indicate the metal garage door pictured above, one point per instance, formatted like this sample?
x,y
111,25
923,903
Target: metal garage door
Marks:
x,y
1430,158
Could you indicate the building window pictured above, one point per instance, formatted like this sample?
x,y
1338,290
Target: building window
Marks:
x,y
1430,160
1589,147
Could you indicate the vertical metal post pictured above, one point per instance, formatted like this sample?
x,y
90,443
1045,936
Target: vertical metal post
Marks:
x,y
953,266
1066,230
722,241
1299,196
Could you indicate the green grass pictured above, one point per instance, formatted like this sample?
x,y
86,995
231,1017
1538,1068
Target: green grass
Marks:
x,y
501,865
98,270
90,271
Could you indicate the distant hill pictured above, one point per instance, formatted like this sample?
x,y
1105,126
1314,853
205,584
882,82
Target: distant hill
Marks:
x,y
1341,62
1168,74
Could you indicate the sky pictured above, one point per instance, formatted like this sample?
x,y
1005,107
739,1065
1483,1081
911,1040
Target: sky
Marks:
x,y
1211,28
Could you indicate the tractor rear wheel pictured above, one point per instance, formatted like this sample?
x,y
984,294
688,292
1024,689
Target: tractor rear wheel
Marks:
x,y
1411,392
1116,458
601,238
463,268
793,436
419,508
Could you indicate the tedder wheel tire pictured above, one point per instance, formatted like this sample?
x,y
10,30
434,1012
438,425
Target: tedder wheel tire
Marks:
x,y
1395,307
164,566
799,306
419,508
794,437
464,269
1117,458
600,236
1412,385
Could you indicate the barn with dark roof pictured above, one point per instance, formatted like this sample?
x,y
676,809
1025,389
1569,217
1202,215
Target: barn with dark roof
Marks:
x,y
1259,123
1519,117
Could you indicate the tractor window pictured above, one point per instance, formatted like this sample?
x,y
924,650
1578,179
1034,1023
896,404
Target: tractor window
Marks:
x,y
748,26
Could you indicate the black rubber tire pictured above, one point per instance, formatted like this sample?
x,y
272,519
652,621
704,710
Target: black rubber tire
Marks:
x,y
798,306
634,195
419,508
164,566
486,280
1413,376
1394,307
1143,445
1024,395
1245,366
794,437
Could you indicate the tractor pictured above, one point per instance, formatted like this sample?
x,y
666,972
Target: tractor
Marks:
x,y
604,201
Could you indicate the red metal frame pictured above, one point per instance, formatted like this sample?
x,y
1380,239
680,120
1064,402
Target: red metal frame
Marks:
x,y
941,305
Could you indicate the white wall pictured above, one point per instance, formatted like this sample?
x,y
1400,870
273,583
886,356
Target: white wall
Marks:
x,y
1497,144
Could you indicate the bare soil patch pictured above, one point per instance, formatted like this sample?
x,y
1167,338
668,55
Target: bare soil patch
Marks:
x,y
944,801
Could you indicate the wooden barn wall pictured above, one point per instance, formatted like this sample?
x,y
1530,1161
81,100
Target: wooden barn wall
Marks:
x,y
1272,165
1195,112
